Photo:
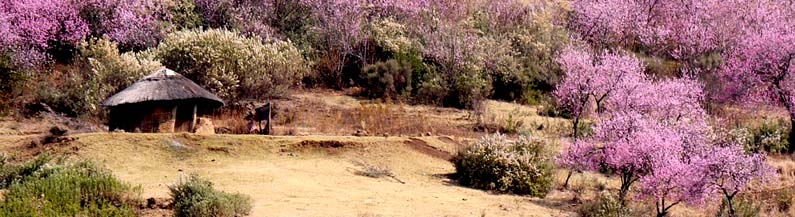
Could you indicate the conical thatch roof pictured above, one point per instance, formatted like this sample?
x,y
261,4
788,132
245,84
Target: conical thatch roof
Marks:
x,y
163,85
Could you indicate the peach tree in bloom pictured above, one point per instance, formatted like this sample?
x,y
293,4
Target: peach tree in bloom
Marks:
x,y
749,42
30,28
758,70
730,170
651,133
681,30
33,31
588,83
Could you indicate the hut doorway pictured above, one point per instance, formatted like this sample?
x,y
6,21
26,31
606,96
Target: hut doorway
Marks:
x,y
185,118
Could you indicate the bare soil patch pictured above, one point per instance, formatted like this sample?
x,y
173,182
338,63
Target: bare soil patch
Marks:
x,y
327,144
423,147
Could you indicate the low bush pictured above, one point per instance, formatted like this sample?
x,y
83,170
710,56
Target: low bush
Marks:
x,y
433,90
496,163
769,136
784,199
196,198
551,109
16,173
82,189
390,79
232,65
743,207
605,205
184,14
13,81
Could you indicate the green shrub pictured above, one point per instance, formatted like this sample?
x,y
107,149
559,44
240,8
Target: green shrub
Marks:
x,y
605,205
523,166
784,199
13,80
15,173
769,136
231,65
392,36
392,39
81,189
512,123
521,57
10,78
390,79
183,14
197,198
552,110
100,58
468,88
432,90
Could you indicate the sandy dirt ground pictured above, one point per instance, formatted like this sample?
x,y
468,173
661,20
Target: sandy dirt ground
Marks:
x,y
285,177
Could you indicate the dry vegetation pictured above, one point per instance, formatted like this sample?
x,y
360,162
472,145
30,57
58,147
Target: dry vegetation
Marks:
x,y
334,113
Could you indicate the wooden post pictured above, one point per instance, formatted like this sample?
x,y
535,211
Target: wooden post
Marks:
x,y
174,113
193,121
172,121
268,125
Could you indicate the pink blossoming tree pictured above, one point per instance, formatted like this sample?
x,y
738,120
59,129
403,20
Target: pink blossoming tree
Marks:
x,y
759,68
729,170
134,24
652,132
590,80
30,28
681,30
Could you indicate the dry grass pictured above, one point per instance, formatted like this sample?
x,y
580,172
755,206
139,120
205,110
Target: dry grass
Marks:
x,y
285,181
334,113
502,113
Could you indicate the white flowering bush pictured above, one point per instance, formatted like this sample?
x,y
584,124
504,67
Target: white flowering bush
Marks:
x,y
522,166
99,71
392,36
232,65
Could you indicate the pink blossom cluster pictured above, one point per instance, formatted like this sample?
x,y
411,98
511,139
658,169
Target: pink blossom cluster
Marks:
x,y
755,40
650,131
682,30
758,68
31,27
133,24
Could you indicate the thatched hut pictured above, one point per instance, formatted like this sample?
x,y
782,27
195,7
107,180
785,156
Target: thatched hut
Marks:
x,y
163,102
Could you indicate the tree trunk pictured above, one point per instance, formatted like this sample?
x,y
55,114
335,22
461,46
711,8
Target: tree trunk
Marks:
x,y
576,130
791,137
626,183
193,121
731,206
622,195
566,184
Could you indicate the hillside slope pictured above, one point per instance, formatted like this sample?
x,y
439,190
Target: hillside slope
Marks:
x,y
306,176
